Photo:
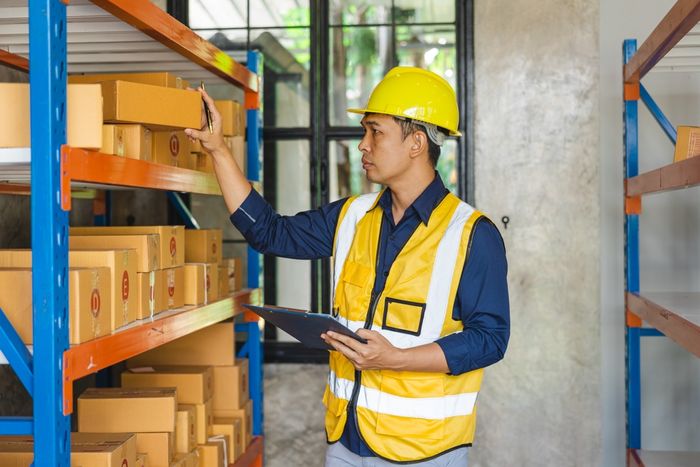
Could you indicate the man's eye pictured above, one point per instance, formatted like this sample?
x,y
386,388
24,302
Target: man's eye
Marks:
x,y
375,132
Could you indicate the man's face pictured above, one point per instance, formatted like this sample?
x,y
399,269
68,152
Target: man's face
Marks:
x,y
385,154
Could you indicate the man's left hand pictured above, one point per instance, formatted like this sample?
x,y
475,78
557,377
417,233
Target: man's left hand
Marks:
x,y
376,354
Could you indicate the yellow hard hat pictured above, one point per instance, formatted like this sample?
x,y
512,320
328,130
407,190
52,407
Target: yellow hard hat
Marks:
x,y
417,94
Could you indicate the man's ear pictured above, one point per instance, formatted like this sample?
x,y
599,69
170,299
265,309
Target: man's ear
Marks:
x,y
419,144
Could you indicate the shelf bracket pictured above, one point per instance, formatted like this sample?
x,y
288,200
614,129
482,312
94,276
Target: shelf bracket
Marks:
x,y
16,353
65,179
633,205
183,210
16,426
658,114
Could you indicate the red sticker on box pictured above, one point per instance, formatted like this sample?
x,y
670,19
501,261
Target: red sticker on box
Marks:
x,y
125,286
174,145
95,303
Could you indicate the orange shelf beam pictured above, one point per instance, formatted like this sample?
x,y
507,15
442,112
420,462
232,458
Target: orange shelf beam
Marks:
x,y
681,174
14,61
94,167
253,455
676,314
680,19
88,358
153,21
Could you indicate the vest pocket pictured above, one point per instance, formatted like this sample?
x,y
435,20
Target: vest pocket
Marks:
x,y
405,416
403,316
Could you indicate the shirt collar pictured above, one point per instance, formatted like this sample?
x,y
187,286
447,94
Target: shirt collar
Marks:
x,y
423,205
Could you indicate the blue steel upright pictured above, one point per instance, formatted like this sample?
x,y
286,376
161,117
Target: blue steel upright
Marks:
x,y
47,62
632,360
253,135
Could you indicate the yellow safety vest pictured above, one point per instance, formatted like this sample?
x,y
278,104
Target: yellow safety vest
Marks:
x,y
402,415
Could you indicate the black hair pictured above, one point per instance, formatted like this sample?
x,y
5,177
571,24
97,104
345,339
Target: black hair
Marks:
x,y
408,127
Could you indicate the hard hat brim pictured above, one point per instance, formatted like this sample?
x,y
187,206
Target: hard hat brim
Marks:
x,y
455,134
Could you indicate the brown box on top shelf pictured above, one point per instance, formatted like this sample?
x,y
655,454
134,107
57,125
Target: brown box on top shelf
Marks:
x,y
123,410
201,283
147,247
164,79
157,446
211,455
237,146
203,245
122,266
174,287
234,272
224,290
87,450
231,430
231,390
185,429
194,384
83,116
150,294
171,148
88,296
687,143
244,414
203,419
156,107
171,239
232,117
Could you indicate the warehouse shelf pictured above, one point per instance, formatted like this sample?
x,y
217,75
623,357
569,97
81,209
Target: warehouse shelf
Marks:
x,y
640,458
54,38
675,314
674,45
92,356
675,176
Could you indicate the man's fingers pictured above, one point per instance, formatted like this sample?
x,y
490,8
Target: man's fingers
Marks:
x,y
348,341
195,134
342,348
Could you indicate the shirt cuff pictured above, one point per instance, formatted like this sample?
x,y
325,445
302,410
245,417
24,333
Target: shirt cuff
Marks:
x,y
249,211
454,349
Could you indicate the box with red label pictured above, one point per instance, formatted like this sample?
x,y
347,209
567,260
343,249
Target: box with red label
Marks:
x,y
150,294
171,238
203,245
87,450
171,148
201,283
88,297
174,287
122,265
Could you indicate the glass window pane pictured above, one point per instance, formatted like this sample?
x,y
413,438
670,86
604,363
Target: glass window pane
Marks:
x,y
447,164
266,13
212,14
360,12
284,49
347,178
424,11
429,47
359,58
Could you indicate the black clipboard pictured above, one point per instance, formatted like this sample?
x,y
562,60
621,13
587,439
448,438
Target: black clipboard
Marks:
x,y
305,326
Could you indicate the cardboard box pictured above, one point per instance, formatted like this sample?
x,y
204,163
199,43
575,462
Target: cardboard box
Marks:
x,y
213,345
190,459
203,245
234,271
150,294
87,449
88,296
687,143
194,384
203,419
122,266
147,247
230,429
123,410
232,117
157,446
231,386
223,282
156,107
112,140
245,415
236,145
155,79
201,283
138,142
142,460
211,455
84,116
174,287
171,148
171,238
185,434
202,162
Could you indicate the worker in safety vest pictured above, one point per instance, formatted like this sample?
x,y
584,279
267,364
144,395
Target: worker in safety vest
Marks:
x,y
417,272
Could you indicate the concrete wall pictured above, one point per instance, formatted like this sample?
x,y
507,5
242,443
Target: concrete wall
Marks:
x,y
537,162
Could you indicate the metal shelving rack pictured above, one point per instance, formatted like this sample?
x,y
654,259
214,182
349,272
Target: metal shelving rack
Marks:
x,y
675,315
104,36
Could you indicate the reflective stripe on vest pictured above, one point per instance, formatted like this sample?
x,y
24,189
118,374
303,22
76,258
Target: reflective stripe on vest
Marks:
x,y
402,416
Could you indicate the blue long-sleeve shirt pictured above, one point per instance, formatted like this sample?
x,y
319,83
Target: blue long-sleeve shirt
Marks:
x,y
482,296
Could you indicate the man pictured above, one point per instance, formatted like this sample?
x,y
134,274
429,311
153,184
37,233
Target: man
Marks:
x,y
418,273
